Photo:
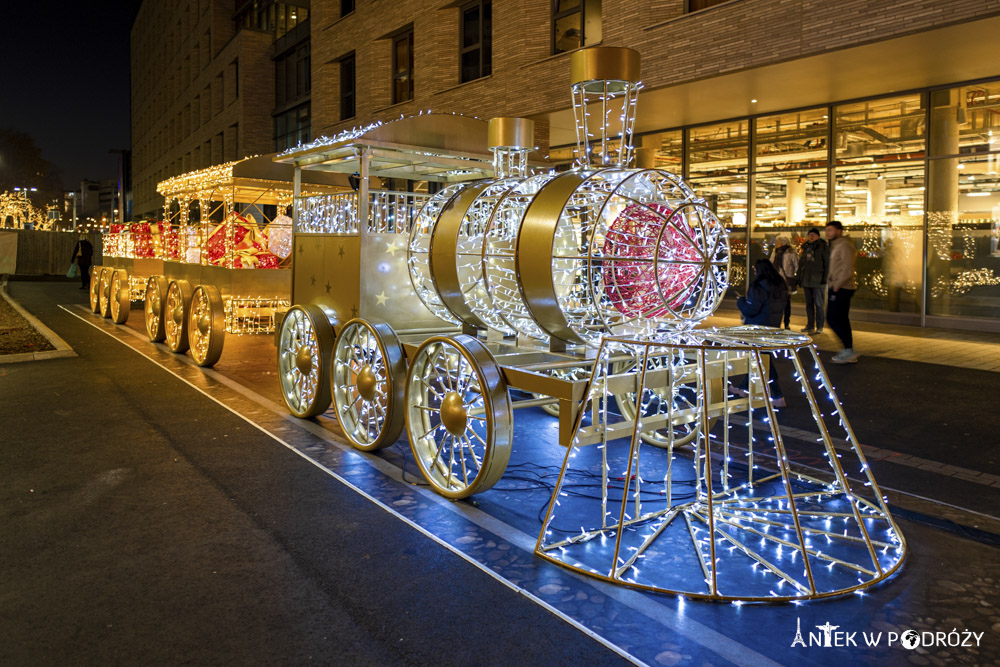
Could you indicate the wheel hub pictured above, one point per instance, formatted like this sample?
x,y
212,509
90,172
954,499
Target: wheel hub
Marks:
x,y
178,315
367,383
204,324
304,359
454,414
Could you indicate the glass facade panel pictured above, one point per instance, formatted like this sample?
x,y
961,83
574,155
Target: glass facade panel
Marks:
x,y
963,230
719,150
881,208
792,141
669,150
880,130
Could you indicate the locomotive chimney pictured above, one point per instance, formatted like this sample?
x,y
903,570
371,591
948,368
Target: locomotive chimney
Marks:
x,y
510,140
605,83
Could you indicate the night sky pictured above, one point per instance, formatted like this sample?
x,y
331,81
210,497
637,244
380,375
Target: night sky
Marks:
x,y
66,81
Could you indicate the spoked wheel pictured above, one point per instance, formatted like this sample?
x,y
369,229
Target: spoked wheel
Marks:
x,y
95,288
304,347
119,297
156,295
458,416
369,371
104,301
206,325
683,397
175,321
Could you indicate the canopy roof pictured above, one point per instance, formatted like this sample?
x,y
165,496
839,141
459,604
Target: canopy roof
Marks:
x,y
250,178
431,147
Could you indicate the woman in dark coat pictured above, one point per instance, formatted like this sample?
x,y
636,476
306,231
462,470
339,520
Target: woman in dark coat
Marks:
x,y
764,305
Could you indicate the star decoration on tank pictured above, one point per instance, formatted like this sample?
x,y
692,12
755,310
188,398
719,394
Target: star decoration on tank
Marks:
x,y
392,248
328,286
312,279
301,249
341,253
354,312
381,298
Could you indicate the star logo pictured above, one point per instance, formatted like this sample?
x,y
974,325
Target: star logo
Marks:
x,y
354,312
328,287
392,248
300,248
381,298
341,253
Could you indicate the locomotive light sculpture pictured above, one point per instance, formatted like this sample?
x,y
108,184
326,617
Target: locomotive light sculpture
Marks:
x,y
581,289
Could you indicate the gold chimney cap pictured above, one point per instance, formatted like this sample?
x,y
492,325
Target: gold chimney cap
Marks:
x,y
509,132
604,63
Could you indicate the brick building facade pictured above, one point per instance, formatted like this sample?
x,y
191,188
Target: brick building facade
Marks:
x,y
202,92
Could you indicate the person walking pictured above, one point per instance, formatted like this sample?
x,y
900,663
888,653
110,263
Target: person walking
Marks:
x,y
814,264
842,286
764,305
83,255
786,262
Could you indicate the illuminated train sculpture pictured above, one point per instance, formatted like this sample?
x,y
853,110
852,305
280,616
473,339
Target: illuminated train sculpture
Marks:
x,y
583,290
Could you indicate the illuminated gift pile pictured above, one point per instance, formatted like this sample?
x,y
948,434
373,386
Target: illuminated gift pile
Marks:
x,y
740,516
238,243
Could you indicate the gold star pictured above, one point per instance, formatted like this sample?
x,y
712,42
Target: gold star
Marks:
x,y
354,312
313,279
328,286
300,248
341,253
381,298
393,248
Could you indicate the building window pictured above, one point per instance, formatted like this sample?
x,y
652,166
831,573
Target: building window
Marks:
x,y
476,40
347,87
402,67
575,23
292,78
292,128
346,7
696,5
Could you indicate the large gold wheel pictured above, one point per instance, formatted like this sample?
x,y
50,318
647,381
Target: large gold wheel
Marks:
x,y
104,301
95,288
119,297
458,415
304,347
156,295
206,325
673,398
175,319
368,375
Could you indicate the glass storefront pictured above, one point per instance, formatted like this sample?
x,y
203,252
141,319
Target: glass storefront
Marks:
x,y
914,178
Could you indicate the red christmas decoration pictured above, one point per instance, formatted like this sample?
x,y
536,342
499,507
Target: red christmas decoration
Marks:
x,y
249,245
634,282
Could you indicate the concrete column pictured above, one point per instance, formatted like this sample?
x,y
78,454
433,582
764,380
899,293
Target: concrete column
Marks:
x,y
942,175
876,197
795,201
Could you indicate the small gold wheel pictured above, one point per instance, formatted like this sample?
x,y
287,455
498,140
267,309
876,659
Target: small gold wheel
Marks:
x,y
156,295
671,399
369,376
305,343
458,415
206,325
95,288
175,321
105,291
119,297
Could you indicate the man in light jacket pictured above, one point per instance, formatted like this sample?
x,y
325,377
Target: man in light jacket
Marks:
x,y
842,287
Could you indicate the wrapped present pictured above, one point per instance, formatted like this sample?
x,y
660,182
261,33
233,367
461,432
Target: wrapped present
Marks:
x,y
142,240
279,236
249,245
166,240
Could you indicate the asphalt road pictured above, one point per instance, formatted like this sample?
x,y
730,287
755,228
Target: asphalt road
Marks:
x,y
143,524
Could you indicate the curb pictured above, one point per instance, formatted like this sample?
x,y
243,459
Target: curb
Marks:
x,y
62,348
